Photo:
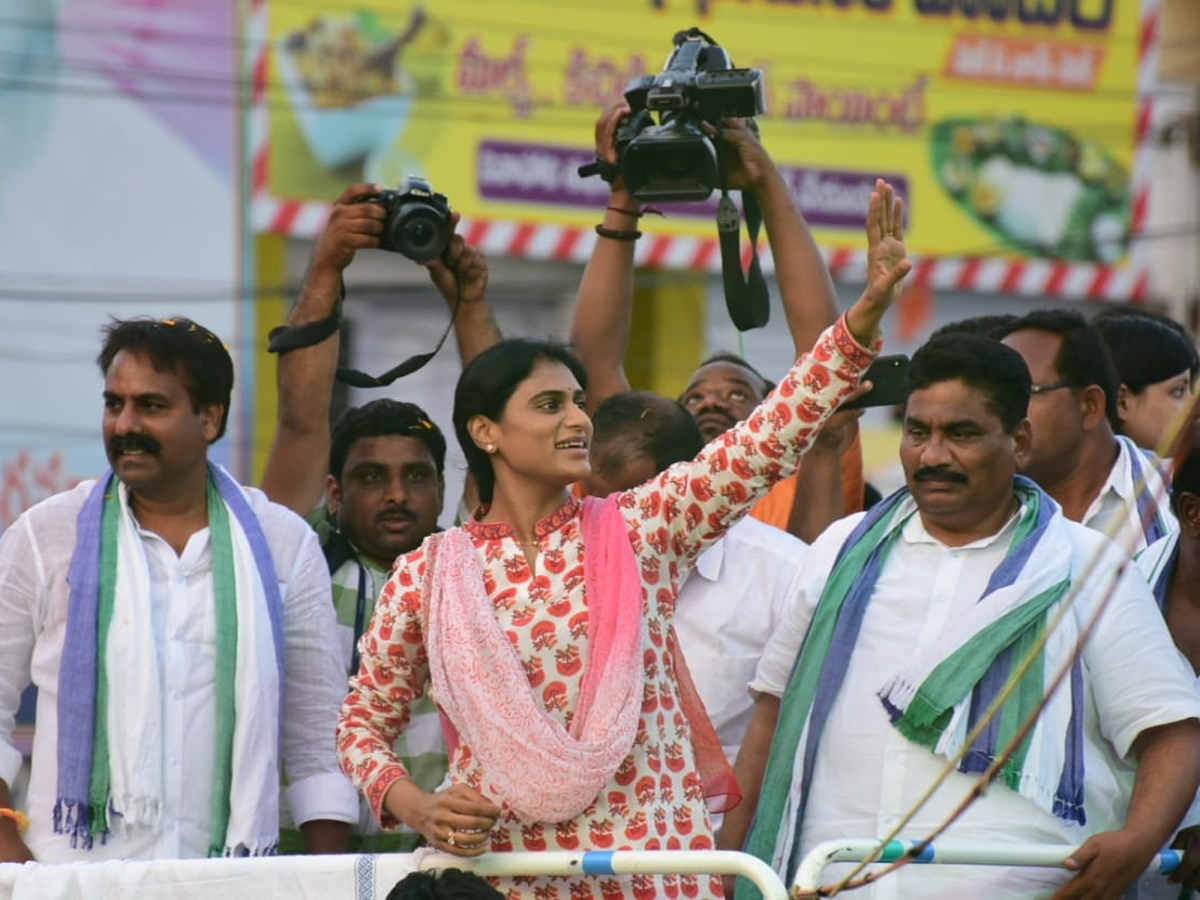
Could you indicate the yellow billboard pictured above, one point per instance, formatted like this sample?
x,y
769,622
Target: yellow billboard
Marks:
x,y
1008,125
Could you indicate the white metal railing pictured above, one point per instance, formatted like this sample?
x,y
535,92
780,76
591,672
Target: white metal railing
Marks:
x,y
812,867
618,862
349,877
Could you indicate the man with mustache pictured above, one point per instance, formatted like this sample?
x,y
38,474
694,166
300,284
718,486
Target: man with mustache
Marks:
x,y
165,613
372,487
910,620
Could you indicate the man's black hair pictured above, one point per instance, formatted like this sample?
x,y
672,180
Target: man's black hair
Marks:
x,y
383,418
641,423
984,326
725,356
984,364
1083,358
448,884
179,345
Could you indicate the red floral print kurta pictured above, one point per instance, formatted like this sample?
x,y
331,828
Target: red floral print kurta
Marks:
x,y
654,801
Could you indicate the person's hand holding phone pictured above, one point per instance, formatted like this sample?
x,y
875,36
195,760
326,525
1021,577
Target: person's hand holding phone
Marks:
x,y
888,376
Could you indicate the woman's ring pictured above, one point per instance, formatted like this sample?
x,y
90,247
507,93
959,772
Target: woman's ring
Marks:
x,y
450,841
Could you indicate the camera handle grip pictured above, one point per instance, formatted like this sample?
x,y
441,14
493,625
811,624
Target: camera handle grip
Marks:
x,y
601,167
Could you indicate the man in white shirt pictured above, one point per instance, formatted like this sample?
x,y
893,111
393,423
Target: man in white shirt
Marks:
x,y
935,596
164,736
1100,479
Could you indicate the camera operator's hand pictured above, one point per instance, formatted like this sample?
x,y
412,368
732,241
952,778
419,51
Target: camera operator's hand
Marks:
x,y
606,149
747,163
463,267
351,227
459,263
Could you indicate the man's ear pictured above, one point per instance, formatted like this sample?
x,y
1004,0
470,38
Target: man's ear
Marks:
x,y
1022,440
210,420
1095,412
1124,399
1188,512
333,495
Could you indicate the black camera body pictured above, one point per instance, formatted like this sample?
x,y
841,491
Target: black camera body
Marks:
x,y
674,160
418,220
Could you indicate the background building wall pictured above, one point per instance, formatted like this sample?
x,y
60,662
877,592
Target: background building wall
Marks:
x,y
117,198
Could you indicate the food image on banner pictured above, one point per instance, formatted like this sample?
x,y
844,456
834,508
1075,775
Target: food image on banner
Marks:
x,y
1009,127
351,82
1038,187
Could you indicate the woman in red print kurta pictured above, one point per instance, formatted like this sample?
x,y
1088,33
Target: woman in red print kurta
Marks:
x,y
526,600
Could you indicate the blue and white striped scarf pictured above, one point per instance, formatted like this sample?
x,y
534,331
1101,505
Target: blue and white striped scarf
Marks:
x,y
105,561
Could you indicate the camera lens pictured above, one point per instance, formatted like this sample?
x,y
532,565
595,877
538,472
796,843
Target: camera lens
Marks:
x,y
419,233
420,238
675,166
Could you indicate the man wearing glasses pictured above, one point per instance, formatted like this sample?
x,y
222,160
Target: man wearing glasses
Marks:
x,y
1100,479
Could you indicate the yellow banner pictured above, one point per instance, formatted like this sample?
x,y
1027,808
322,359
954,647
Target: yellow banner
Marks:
x,y
1007,124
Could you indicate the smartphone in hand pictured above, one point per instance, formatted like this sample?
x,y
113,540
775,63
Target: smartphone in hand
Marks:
x,y
888,376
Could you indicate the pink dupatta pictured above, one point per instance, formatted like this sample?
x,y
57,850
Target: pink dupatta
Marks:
x,y
542,771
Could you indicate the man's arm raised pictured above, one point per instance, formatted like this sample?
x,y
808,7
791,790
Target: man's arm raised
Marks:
x,y
461,274
298,463
604,306
296,469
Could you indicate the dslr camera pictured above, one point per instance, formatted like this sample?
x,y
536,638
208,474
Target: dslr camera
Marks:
x,y
418,219
675,160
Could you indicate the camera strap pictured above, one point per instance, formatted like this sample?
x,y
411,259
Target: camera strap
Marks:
x,y
286,338
746,296
359,379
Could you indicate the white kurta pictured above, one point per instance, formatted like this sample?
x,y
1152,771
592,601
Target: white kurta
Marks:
x,y
34,557
727,610
867,775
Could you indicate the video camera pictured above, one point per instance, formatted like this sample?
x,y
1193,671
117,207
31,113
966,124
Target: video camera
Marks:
x,y
418,219
675,160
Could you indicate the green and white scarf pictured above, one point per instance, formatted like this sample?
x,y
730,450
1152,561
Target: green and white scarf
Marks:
x,y
110,744
937,699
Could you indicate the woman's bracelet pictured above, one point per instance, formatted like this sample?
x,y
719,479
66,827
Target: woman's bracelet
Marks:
x,y
19,818
616,234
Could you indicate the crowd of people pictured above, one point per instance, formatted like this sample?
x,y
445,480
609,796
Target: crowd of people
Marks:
x,y
664,623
